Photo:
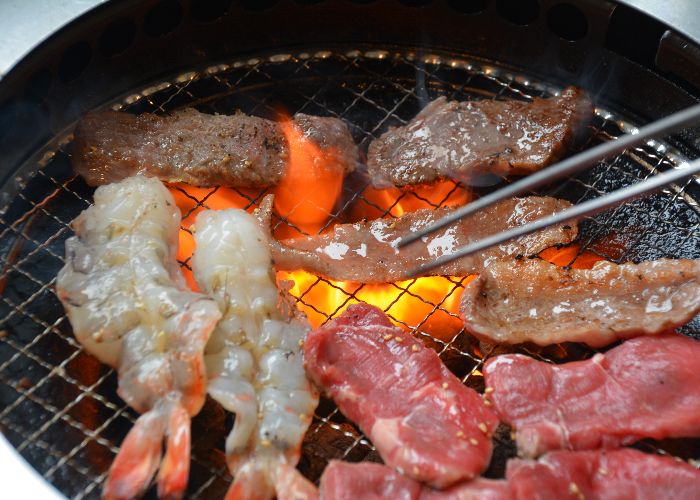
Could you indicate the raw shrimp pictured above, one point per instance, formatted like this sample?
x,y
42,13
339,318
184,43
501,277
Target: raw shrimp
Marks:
x,y
254,359
129,306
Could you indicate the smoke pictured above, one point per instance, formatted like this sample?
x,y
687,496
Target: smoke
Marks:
x,y
421,87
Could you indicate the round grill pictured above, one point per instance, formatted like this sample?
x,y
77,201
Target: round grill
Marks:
x,y
58,405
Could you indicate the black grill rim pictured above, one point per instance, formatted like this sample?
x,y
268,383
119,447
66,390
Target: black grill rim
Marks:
x,y
37,205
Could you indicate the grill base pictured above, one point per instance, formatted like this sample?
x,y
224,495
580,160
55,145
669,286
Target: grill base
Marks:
x,y
58,405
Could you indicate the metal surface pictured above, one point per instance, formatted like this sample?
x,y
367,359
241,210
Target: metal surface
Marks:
x,y
58,405
26,23
682,15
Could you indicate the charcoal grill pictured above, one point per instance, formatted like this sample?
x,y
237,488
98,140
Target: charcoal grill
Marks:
x,y
372,64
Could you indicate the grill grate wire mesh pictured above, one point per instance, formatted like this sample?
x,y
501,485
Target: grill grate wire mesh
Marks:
x,y
58,405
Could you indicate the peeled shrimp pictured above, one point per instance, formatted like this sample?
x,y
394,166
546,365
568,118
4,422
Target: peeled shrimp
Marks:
x,y
129,306
254,357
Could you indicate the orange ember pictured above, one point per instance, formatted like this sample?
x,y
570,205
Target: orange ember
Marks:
x,y
377,203
571,256
430,304
409,302
311,184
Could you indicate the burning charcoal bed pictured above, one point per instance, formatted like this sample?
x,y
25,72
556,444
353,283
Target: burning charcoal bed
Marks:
x,y
58,405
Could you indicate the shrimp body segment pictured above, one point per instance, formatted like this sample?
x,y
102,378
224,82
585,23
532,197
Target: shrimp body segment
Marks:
x,y
129,306
254,357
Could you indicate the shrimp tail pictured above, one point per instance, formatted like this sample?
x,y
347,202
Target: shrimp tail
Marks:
x,y
251,482
264,479
291,485
140,455
175,467
138,458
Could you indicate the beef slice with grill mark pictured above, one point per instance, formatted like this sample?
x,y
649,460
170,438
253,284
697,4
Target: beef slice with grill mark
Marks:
x,y
197,148
366,251
534,301
648,387
465,140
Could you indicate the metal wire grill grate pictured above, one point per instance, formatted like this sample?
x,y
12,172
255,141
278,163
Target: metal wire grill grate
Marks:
x,y
59,406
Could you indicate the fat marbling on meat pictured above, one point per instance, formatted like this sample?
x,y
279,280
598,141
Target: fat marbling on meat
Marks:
x,y
603,475
423,421
534,301
366,251
461,140
200,149
648,387
370,481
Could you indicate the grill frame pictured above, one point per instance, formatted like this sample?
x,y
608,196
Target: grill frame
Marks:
x,y
54,179
128,44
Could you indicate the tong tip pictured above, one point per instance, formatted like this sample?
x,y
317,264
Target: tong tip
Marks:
x,y
416,272
408,239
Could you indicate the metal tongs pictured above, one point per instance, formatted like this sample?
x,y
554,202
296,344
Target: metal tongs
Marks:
x,y
576,163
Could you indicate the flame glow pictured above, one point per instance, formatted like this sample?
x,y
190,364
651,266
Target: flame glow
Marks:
x,y
571,256
310,186
410,303
377,203
306,197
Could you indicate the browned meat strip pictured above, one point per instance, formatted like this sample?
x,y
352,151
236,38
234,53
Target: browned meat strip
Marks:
x,y
460,140
366,251
535,301
197,148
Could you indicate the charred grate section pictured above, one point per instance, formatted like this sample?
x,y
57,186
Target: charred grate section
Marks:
x,y
58,405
